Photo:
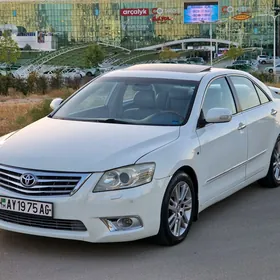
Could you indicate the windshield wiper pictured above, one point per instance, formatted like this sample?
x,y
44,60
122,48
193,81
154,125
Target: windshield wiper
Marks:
x,y
111,120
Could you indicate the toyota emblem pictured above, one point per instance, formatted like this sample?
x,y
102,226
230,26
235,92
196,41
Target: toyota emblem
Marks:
x,y
28,180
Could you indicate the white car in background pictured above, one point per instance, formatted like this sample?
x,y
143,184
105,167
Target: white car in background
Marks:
x,y
73,73
140,152
271,69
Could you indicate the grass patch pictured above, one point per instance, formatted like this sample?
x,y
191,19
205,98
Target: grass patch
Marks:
x,y
18,113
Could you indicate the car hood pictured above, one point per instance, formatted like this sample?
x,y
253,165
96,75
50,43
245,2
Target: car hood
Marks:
x,y
76,146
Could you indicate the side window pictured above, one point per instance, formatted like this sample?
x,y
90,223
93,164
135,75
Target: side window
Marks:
x,y
246,92
262,95
218,95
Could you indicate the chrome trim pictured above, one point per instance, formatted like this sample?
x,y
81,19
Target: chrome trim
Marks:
x,y
48,183
257,155
234,167
273,112
111,223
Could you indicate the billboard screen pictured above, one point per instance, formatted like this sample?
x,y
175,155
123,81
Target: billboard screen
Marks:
x,y
201,12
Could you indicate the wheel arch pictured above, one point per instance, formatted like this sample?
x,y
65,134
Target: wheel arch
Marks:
x,y
190,171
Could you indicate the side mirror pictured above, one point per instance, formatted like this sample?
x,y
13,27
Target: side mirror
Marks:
x,y
55,103
218,115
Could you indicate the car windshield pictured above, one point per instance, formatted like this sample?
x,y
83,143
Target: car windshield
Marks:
x,y
139,101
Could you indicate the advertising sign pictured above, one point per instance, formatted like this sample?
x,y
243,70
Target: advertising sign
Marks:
x,y
241,17
201,12
161,19
134,12
168,11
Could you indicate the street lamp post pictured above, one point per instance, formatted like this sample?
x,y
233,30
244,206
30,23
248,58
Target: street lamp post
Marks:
x,y
274,39
211,43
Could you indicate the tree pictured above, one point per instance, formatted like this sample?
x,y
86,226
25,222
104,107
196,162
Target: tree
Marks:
x,y
27,47
167,53
94,55
234,52
9,49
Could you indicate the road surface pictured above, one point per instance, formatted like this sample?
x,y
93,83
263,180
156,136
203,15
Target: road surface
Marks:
x,y
238,238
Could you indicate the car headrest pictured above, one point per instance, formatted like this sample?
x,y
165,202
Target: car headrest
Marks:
x,y
179,93
145,99
161,99
142,87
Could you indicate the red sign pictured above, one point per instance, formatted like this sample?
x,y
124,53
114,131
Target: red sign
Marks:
x,y
134,12
161,19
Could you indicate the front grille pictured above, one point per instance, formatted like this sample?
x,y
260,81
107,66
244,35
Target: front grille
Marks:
x,y
41,222
47,183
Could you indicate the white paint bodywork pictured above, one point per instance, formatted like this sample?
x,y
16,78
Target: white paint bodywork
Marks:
x,y
223,158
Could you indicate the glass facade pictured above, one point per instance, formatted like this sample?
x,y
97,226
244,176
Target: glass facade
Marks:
x,y
133,24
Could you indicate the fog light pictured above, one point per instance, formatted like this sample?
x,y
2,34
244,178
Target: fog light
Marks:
x,y
122,223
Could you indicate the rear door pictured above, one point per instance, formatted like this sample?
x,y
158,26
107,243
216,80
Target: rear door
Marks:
x,y
259,114
223,145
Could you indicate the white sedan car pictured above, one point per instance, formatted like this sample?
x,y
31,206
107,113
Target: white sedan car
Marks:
x,y
140,152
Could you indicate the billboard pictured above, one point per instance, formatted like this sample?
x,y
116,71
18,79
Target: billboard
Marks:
x,y
201,12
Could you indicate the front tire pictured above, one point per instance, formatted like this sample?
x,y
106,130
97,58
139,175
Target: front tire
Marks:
x,y
177,211
272,179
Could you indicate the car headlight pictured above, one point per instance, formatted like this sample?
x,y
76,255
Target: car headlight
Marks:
x,y
126,177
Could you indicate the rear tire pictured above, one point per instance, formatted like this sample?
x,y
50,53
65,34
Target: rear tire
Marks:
x,y
178,210
270,71
272,179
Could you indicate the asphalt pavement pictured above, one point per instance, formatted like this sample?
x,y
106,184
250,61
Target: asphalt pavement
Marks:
x,y
238,238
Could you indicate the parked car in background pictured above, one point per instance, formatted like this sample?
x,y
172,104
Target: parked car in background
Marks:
x,y
73,73
265,59
270,69
242,67
196,60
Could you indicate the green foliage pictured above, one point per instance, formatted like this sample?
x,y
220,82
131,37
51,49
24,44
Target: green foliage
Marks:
x,y
56,81
234,52
42,85
38,112
27,47
32,82
94,55
20,85
167,53
5,84
35,114
264,77
9,49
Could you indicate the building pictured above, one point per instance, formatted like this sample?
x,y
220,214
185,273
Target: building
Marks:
x,y
133,24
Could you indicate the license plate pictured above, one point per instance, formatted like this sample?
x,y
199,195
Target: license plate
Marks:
x,y
26,206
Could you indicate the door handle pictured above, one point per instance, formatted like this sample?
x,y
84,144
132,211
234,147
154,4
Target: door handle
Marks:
x,y
273,112
241,126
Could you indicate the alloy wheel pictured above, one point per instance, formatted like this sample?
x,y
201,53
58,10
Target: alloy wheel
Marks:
x,y
276,162
180,209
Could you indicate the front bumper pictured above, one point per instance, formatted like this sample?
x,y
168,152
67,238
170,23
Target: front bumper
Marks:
x,y
89,208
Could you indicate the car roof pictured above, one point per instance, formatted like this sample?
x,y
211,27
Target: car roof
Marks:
x,y
170,68
170,71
